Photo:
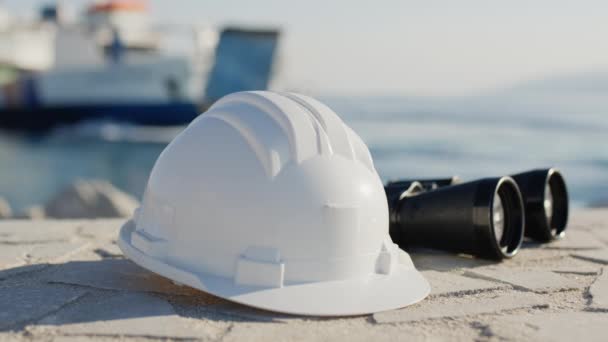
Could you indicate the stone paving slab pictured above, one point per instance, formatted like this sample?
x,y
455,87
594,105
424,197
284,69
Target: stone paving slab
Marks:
x,y
20,232
576,240
531,252
115,274
576,266
14,257
587,219
460,307
601,234
78,338
225,310
565,326
599,290
68,281
124,314
443,283
598,256
20,304
562,264
339,330
541,281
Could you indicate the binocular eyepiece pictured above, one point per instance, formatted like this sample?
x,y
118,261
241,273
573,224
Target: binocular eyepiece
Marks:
x,y
487,218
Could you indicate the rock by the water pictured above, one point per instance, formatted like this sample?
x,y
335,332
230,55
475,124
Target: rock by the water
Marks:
x,y
91,199
5,209
35,212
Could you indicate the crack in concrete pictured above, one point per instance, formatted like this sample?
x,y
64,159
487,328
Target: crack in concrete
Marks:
x,y
472,315
225,333
598,310
587,293
58,282
482,277
592,259
463,293
117,336
583,273
516,286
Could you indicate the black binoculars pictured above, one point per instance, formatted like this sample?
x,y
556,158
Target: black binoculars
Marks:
x,y
487,218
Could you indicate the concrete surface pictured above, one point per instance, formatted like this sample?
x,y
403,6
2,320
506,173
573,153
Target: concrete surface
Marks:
x,y
67,281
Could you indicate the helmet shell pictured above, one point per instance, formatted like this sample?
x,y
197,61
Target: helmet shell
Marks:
x,y
267,191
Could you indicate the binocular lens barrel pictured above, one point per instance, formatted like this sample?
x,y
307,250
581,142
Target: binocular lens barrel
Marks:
x,y
546,202
545,197
483,218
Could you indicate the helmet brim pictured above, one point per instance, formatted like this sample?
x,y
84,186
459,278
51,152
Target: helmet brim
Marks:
x,y
402,287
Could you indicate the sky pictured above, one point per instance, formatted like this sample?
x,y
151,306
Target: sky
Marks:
x,y
407,47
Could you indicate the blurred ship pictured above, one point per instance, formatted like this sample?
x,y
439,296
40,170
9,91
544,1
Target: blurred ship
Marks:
x,y
111,65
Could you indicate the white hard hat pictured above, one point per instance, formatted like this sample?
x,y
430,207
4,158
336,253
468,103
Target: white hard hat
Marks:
x,y
270,200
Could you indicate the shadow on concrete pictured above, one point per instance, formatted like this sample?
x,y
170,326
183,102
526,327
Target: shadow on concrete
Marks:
x,y
114,289
434,260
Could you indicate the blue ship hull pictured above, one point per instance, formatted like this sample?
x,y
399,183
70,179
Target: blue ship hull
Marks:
x,y
43,118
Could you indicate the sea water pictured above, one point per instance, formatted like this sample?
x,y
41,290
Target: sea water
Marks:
x,y
408,138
